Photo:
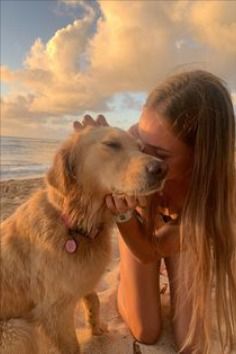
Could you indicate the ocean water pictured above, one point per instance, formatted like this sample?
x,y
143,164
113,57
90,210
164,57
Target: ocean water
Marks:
x,y
26,157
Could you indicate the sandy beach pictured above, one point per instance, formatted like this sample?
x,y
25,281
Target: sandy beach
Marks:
x,y
118,340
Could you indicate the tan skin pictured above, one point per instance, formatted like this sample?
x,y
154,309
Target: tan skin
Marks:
x,y
138,297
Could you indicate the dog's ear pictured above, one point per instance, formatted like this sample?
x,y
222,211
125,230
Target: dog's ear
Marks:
x,y
60,175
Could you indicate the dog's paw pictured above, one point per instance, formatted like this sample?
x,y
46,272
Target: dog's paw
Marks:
x,y
100,329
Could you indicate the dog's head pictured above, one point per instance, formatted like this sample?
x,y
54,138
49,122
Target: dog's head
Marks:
x,y
105,160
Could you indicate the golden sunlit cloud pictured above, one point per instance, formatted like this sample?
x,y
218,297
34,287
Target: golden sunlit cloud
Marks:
x,y
131,47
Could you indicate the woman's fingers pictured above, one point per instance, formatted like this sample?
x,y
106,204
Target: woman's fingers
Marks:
x,y
116,205
110,204
131,202
77,126
120,204
88,121
101,120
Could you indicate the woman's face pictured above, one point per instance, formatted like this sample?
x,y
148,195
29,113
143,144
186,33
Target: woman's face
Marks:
x,y
160,141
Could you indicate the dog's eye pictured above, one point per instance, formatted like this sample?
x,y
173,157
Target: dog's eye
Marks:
x,y
113,144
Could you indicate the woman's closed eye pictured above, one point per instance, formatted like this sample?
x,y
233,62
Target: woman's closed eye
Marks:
x,y
162,155
156,152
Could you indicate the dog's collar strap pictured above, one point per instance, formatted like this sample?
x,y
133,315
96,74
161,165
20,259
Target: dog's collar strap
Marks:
x,y
72,243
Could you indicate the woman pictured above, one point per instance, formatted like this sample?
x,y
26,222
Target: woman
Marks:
x,y
189,122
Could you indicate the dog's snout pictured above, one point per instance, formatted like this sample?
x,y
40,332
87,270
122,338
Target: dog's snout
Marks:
x,y
157,169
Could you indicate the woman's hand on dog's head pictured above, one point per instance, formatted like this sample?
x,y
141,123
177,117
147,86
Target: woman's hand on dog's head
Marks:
x,y
89,121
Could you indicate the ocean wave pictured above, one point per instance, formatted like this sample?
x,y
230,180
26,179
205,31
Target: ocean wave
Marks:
x,y
23,171
25,157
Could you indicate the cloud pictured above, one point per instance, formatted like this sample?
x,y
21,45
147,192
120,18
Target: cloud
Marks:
x,y
215,24
127,49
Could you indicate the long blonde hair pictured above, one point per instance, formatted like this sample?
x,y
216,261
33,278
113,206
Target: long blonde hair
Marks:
x,y
199,109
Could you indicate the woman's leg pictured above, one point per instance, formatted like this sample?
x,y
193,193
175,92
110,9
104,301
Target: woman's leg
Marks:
x,y
182,319
139,296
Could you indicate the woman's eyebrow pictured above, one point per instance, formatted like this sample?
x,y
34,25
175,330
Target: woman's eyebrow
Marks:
x,y
157,148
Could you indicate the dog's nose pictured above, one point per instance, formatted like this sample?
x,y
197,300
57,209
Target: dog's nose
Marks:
x,y
157,169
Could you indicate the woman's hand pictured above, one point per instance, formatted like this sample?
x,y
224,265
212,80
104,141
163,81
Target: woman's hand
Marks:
x,y
119,205
167,239
89,121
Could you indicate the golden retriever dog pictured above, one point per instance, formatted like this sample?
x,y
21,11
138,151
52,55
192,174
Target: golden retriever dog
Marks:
x,y
56,246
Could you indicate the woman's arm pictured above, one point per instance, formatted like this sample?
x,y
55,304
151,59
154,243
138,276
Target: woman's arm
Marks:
x,y
165,243
167,239
133,234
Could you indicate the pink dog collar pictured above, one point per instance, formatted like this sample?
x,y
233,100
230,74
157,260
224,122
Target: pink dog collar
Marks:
x,y
71,245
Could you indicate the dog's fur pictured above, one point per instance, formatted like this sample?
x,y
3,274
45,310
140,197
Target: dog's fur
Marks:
x,y
40,281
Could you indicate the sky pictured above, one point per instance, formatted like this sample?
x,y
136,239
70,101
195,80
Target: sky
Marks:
x,y
62,59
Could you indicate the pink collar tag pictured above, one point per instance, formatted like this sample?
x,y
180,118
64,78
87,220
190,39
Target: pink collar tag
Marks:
x,y
71,246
